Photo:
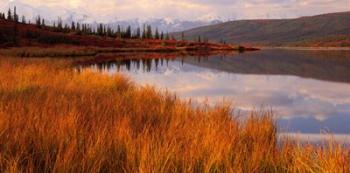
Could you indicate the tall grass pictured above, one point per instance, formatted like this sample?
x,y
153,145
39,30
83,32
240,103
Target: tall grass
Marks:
x,y
53,119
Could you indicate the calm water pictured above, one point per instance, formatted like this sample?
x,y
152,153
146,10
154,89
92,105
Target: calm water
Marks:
x,y
309,91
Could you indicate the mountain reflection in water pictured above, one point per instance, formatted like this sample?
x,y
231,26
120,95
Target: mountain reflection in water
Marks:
x,y
309,91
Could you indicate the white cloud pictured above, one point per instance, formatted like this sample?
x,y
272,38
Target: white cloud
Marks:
x,y
183,9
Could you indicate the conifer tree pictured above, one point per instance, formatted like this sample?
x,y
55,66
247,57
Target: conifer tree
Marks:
x,y
157,34
9,15
162,36
104,30
78,27
109,32
83,29
128,32
149,34
73,26
23,19
66,28
43,22
100,30
119,32
59,24
15,16
38,22
2,16
144,32
138,33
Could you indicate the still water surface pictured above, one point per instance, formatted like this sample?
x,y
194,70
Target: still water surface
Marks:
x,y
309,91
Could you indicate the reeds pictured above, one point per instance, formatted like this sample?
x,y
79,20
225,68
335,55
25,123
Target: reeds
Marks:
x,y
53,119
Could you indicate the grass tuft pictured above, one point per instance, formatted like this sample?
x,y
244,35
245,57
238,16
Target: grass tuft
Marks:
x,y
53,119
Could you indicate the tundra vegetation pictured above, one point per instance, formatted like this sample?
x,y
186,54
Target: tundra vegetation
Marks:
x,y
16,33
55,119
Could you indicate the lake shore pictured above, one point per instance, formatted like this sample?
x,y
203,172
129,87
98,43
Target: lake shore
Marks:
x,y
54,119
307,48
83,51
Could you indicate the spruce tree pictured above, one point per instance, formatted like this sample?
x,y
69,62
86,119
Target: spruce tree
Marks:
x,y
144,32
78,27
38,22
66,28
128,32
138,33
162,36
43,22
73,26
119,32
157,34
104,33
59,25
109,32
149,34
2,16
23,19
15,16
9,15
100,30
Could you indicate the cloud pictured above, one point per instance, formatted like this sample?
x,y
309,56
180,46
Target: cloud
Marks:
x,y
183,9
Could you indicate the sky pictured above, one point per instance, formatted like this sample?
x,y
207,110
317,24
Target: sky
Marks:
x,y
109,10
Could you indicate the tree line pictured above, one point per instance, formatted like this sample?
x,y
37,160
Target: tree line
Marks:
x,y
103,30
146,32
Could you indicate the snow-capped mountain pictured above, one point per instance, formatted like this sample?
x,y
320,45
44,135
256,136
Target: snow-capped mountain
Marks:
x,y
165,25
52,14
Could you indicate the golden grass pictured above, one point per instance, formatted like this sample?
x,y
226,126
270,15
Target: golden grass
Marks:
x,y
53,119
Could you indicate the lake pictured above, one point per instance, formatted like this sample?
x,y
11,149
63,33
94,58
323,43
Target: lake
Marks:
x,y
308,90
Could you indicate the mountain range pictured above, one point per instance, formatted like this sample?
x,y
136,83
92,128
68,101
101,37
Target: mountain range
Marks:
x,y
321,30
81,16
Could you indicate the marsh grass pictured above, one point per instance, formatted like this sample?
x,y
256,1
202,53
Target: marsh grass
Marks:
x,y
53,119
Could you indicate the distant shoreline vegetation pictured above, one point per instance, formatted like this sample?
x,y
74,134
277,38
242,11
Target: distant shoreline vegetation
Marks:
x,y
16,32
146,32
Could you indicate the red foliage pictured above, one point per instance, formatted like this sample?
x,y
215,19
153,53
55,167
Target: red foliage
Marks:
x,y
31,35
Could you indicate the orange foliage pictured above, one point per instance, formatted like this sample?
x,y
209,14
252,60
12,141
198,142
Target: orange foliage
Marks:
x,y
53,119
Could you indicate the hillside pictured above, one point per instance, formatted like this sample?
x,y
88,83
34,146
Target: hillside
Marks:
x,y
322,30
15,34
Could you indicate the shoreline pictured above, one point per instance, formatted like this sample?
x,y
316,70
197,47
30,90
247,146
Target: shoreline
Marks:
x,y
80,51
307,48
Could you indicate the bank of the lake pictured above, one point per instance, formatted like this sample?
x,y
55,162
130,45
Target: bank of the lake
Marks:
x,y
53,119
307,90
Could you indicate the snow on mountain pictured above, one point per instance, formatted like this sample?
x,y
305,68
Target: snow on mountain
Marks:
x,y
52,14
165,25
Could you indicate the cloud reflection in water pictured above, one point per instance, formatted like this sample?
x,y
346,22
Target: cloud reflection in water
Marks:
x,y
303,105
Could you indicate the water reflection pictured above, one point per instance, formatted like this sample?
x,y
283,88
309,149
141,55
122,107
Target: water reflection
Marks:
x,y
308,90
